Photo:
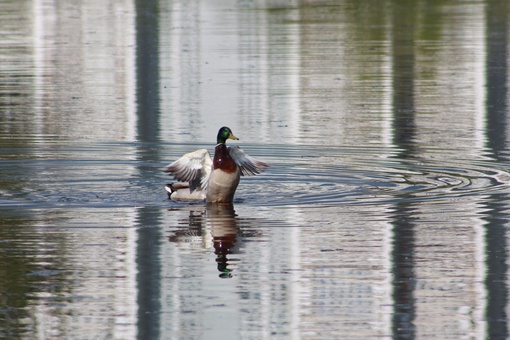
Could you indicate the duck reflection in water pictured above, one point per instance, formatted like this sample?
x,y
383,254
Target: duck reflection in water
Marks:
x,y
224,232
216,222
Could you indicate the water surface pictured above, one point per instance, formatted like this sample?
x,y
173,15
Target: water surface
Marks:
x,y
384,213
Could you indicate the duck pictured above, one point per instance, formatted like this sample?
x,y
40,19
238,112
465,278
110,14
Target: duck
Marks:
x,y
214,180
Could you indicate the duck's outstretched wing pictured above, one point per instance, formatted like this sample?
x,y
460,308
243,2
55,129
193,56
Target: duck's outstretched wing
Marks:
x,y
194,167
247,164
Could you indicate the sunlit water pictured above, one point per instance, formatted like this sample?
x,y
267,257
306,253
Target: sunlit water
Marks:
x,y
383,215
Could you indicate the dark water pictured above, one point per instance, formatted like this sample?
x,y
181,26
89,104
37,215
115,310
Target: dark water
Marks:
x,y
384,213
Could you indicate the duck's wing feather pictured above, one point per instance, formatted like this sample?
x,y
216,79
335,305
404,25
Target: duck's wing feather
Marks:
x,y
247,164
194,167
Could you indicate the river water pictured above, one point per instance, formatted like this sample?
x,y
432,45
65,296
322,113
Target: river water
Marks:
x,y
385,211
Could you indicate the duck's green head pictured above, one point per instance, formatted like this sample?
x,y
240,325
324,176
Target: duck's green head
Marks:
x,y
224,134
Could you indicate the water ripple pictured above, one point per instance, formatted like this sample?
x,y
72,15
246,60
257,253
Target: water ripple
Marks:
x,y
359,177
116,175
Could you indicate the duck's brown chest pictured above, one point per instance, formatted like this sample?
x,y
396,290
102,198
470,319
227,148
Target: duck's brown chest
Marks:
x,y
222,159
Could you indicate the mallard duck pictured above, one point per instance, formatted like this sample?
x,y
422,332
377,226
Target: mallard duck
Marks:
x,y
214,180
